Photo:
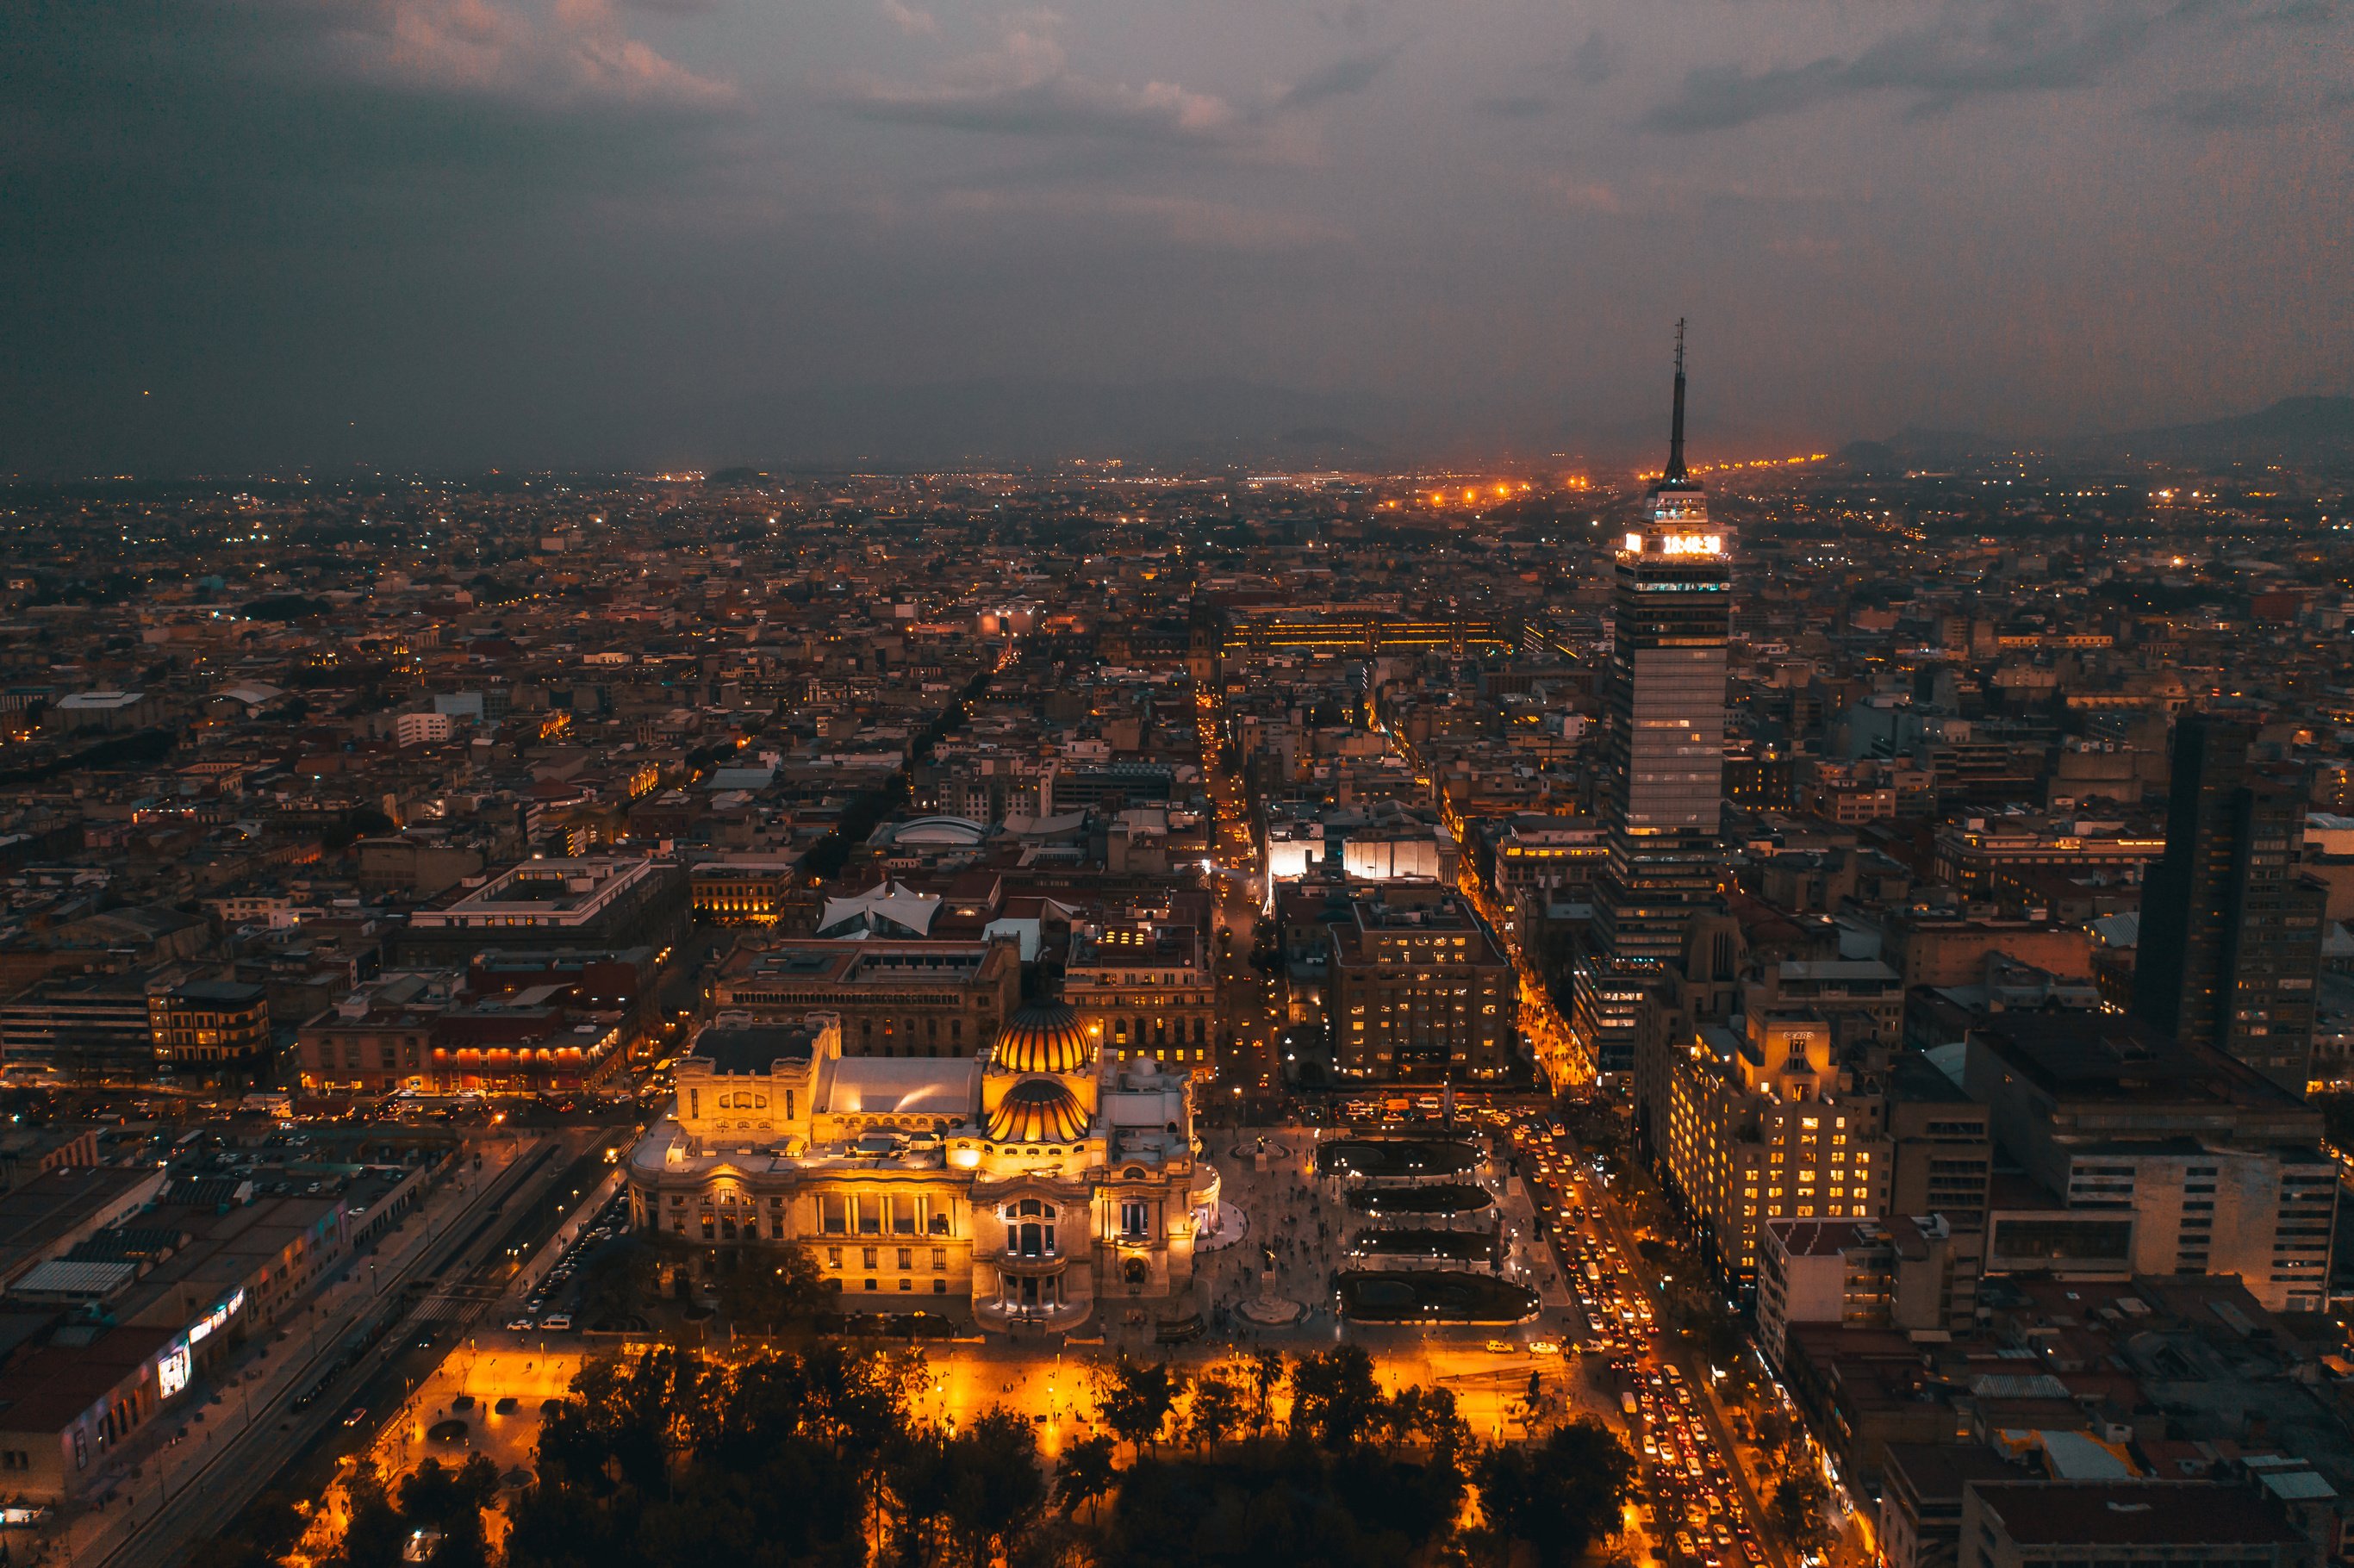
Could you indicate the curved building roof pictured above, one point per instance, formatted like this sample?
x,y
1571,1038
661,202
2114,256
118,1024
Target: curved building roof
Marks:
x,y
939,830
1043,1037
1038,1111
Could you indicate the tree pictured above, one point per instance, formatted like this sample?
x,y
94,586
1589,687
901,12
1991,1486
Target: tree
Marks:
x,y
1335,1399
770,1287
972,1492
1136,1398
779,1459
263,1536
451,1502
1265,1375
1797,1507
1560,1495
1086,1474
1217,1409
1427,1416
376,1534
618,1281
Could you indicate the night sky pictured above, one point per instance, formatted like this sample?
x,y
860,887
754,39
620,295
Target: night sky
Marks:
x,y
461,233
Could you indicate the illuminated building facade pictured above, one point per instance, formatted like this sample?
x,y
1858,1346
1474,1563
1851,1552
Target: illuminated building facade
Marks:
x,y
1144,987
744,890
1029,1187
1663,754
1420,994
1759,1127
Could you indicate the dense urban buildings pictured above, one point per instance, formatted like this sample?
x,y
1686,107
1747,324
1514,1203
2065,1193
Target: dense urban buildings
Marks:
x,y
1887,909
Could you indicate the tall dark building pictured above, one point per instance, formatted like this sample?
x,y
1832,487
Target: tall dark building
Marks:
x,y
2231,932
1663,752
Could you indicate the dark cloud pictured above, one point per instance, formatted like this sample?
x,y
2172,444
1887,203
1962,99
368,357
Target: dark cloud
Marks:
x,y
2242,107
445,231
1973,51
1354,17
2248,106
1350,74
1596,58
1514,106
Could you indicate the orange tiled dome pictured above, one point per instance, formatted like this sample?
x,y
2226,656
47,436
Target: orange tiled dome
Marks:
x,y
1038,1111
1042,1037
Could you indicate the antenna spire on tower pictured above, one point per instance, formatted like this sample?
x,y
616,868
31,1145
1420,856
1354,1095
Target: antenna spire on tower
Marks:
x,y
1676,473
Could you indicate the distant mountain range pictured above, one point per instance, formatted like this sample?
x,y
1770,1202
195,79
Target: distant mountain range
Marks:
x,y
2295,430
2302,431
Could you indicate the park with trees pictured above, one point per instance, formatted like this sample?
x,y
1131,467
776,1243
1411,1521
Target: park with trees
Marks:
x,y
824,1454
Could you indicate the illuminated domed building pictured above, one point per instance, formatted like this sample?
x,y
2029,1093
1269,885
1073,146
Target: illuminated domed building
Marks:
x,y
1035,1184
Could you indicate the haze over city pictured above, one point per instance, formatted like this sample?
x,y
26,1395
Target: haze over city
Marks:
x,y
453,235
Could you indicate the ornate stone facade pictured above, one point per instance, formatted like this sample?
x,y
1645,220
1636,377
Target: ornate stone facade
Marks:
x,y
1030,1186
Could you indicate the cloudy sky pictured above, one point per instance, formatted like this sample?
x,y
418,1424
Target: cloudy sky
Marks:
x,y
450,233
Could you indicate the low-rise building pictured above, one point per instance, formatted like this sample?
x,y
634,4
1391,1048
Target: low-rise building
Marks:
x,y
590,901
1145,988
212,1027
1903,1272
2034,1524
2194,1159
895,998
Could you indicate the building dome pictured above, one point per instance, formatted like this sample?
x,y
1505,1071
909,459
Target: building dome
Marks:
x,y
1043,1037
1038,1111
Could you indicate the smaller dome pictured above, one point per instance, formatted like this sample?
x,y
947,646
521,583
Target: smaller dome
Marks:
x,y
1038,1111
1043,1037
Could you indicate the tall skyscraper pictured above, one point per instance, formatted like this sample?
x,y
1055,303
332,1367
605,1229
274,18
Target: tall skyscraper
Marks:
x,y
1663,751
2230,931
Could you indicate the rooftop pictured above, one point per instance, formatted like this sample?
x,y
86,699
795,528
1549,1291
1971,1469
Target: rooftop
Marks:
x,y
2133,1513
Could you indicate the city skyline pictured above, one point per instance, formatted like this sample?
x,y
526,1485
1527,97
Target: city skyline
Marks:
x,y
950,782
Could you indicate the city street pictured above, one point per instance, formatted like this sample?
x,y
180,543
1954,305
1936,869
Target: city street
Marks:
x,y
1250,1005
149,1488
169,1496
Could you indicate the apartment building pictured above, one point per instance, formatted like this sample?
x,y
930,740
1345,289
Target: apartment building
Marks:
x,y
1420,994
1760,1125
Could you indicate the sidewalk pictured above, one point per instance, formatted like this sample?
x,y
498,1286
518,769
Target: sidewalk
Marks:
x,y
567,1230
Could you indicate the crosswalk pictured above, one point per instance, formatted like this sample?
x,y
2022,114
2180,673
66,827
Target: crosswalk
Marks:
x,y
458,1304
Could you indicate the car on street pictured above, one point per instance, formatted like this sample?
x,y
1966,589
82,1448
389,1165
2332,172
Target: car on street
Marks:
x,y
357,1414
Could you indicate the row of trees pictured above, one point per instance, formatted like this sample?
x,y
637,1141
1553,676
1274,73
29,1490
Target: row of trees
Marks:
x,y
440,1511
1401,1461
822,1456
